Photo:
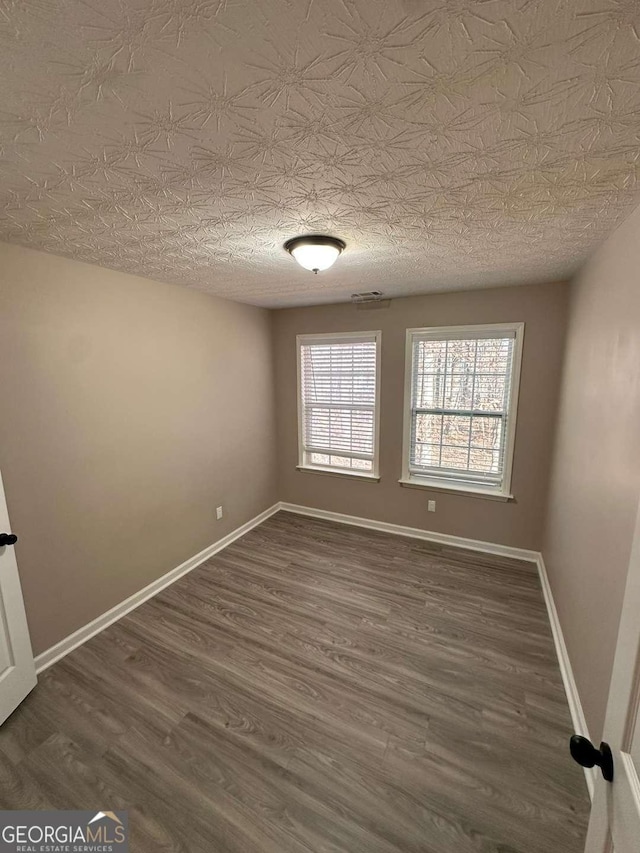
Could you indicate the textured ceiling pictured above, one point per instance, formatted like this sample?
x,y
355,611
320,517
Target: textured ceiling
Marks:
x,y
451,143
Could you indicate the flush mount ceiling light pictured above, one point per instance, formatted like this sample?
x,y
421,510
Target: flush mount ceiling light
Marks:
x,y
315,251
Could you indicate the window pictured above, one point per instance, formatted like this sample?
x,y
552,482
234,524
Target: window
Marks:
x,y
338,380
460,407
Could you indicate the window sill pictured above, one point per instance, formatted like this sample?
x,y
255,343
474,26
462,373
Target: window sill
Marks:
x,y
453,489
332,472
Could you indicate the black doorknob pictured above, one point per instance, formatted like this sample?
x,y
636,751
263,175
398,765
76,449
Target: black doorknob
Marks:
x,y
8,539
585,753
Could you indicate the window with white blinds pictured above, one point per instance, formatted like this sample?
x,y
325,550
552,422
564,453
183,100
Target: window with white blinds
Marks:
x,y
338,402
461,409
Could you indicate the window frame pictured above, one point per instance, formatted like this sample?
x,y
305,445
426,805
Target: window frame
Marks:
x,y
458,485
339,337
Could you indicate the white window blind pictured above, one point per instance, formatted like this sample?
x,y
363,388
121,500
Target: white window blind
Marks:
x,y
338,402
462,404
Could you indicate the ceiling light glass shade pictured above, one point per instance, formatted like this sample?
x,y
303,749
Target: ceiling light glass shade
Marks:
x,y
315,252
316,257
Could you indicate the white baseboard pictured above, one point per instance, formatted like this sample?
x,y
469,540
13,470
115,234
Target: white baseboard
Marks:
x,y
59,650
573,697
414,532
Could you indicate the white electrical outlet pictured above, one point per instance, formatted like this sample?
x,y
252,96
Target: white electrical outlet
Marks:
x,y
431,506
218,512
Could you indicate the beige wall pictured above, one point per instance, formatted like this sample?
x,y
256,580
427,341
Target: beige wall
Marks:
x,y
595,481
519,523
129,410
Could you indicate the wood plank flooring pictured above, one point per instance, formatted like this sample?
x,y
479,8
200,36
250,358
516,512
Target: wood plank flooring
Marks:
x,y
315,687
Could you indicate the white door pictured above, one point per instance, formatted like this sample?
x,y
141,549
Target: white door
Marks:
x,y
615,816
17,669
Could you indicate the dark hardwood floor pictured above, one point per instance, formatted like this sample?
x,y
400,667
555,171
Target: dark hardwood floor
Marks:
x,y
315,687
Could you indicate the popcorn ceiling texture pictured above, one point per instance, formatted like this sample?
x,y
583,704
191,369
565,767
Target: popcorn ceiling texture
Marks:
x,y
451,143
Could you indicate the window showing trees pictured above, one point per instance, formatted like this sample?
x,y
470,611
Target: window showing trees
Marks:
x,y
460,412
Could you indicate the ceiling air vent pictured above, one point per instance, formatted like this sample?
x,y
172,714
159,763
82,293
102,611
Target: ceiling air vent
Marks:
x,y
370,296
370,299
